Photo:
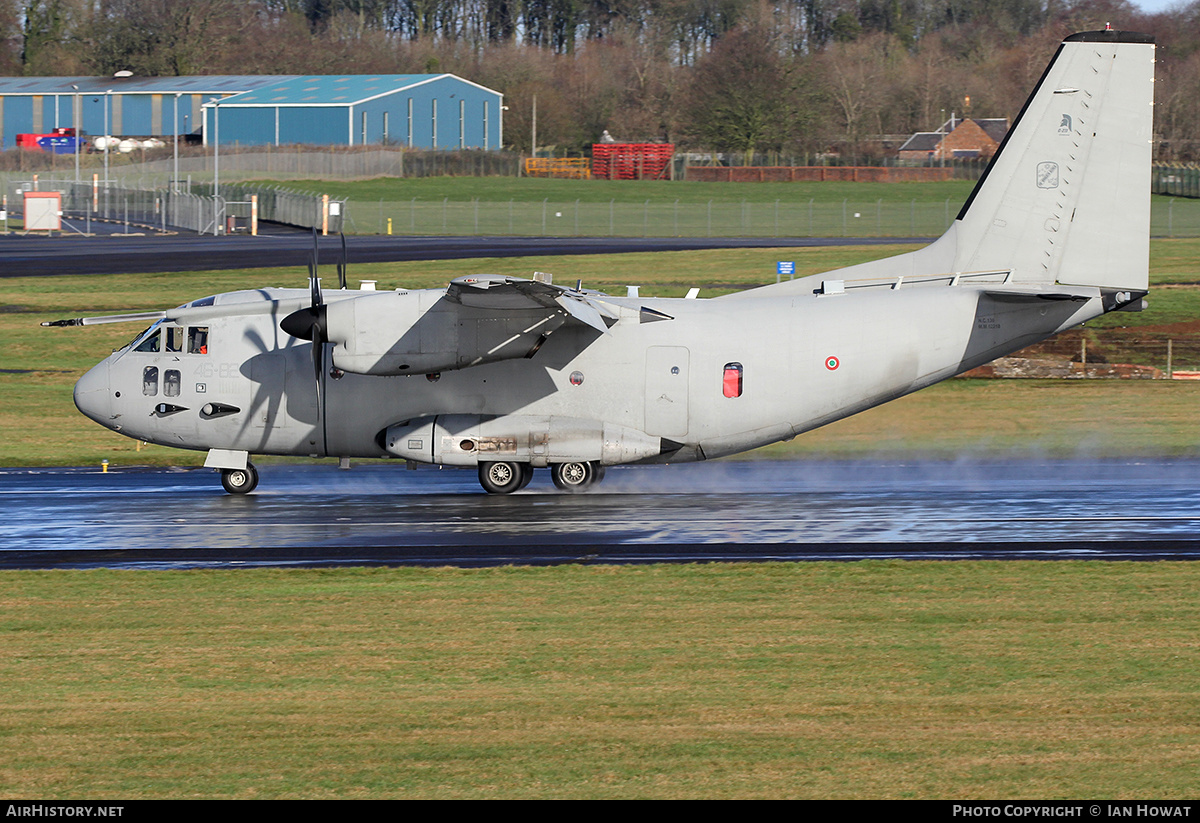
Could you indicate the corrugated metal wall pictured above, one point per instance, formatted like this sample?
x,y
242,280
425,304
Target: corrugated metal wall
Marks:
x,y
129,115
444,113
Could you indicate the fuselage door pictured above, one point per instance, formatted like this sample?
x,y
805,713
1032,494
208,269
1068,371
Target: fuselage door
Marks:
x,y
667,391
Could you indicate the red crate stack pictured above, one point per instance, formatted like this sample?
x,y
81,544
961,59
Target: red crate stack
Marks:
x,y
631,161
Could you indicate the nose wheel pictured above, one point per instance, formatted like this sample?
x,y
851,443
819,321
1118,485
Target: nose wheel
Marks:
x,y
240,481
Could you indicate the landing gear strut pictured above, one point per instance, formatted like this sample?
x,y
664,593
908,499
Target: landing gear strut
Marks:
x,y
504,477
240,481
577,476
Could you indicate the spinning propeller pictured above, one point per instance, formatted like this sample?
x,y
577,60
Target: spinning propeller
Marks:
x,y
311,323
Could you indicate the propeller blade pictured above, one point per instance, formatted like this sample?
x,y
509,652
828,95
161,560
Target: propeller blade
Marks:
x,y
309,323
314,290
318,359
342,264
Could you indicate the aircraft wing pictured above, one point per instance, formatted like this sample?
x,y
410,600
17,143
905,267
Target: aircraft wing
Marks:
x,y
499,293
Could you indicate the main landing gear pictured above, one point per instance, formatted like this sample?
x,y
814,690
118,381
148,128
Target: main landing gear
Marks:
x,y
240,481
576,477
505,477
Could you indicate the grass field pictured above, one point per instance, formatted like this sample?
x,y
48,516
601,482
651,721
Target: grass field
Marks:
x,y
531,189
538,206
865,680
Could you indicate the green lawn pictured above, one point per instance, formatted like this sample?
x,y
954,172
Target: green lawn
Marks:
x,y
823,680
539,206
529,189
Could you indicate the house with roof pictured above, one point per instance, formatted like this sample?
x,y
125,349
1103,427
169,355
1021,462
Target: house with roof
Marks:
x,y
958,139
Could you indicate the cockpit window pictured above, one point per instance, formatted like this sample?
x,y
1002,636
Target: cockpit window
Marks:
x,y
171,383
174,338
150,381
198,340
153,343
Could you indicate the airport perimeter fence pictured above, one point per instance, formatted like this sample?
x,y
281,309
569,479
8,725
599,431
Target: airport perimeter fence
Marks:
x,y
134,209
1107,352
301,163
162,209
143,201
1177,181
292,208
842,218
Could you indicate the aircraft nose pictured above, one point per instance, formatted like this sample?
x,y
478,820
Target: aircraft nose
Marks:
x,y
92,394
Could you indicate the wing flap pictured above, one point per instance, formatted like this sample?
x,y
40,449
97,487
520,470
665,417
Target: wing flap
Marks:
x,y
493,292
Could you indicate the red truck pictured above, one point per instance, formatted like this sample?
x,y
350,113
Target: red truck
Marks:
x,y
59,141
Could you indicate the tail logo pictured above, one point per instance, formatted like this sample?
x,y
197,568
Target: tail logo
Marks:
x,y
1065,126
1047,175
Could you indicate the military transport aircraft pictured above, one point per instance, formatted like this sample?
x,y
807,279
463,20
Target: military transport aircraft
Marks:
x,y
509,375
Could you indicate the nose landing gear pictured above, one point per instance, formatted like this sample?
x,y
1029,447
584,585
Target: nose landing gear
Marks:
x,y
240,481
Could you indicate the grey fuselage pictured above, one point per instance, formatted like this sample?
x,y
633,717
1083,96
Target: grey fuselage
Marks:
x,y
803,359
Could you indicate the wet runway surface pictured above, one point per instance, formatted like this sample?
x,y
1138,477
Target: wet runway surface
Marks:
x,y
283,246
755,510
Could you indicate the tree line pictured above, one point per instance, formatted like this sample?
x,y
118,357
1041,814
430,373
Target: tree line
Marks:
x,y
793,77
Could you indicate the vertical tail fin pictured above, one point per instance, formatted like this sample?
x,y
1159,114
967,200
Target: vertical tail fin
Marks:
x,y
1067,197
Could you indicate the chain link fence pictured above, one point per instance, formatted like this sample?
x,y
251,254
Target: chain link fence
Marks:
x,y
292,208
158,200
813,218
297,163
1178,181
179,209
651,219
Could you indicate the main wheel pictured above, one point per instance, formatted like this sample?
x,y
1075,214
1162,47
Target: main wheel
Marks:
x,y
578,476
504,477
240,481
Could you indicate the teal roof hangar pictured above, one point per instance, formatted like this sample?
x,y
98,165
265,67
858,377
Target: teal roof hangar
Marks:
x,y
432,111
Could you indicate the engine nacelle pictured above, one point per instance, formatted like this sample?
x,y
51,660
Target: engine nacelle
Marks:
x,y
421,331
470,439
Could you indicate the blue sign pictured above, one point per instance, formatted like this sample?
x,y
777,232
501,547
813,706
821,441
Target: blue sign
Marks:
x,y
787,267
